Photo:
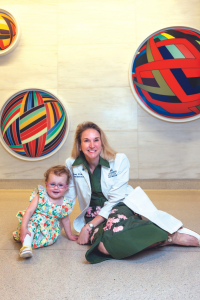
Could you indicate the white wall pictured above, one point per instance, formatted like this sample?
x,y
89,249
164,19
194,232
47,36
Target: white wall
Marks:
x,y
81,51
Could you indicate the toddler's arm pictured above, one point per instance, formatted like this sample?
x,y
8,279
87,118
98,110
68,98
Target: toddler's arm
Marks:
x,y
67,227
30,210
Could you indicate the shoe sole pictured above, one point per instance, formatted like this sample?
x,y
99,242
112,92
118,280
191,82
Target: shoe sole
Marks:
x,y
26,254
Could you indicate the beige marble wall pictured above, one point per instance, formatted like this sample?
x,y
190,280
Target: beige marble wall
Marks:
x,y
81,51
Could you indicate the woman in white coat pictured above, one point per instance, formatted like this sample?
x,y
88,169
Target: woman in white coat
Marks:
x,y
111,210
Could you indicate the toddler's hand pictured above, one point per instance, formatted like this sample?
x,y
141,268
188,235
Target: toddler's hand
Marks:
x,y
73,237
23,233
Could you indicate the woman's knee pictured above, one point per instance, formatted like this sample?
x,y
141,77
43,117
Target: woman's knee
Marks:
x,y
102,249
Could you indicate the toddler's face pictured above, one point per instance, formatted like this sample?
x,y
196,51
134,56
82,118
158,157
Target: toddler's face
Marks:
x,y
56,186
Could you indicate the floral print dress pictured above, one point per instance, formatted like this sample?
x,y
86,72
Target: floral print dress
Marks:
x,y
45,221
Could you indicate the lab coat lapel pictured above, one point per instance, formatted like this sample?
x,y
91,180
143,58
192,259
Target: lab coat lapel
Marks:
x,y
84,172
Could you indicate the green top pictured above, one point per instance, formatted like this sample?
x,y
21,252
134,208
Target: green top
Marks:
x,y
97,197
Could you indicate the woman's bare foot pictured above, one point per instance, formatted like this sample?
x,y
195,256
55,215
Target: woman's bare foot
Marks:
x,y
183,237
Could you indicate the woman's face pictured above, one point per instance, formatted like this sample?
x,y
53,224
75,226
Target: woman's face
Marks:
x,y
91,145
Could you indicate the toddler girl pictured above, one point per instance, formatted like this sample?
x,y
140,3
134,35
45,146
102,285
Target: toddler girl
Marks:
x,y
40,222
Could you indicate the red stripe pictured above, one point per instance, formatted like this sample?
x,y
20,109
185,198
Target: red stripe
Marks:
x,y
169,64
10,109
154,50
146,74
25,150
2,45
33,130
176,88
42,140
39,98
15,133
185,51
191,72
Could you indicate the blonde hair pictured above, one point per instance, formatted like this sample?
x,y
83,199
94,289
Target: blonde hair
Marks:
x,y
58,171
107,152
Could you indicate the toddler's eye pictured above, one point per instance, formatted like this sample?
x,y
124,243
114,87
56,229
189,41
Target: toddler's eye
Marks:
x,y
60,186
52,185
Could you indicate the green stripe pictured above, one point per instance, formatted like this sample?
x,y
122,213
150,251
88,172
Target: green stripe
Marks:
x,y
10,122
60,108
161,37
34,113
54,132
198,42
175,52
18,106
35,99
16,146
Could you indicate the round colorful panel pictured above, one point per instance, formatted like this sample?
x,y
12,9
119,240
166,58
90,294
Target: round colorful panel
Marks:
x,y
165,74
9,32
34,124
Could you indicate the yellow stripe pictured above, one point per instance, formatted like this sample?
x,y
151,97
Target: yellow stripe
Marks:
x,y
32,120
51,115
10,122
46,99
37,135
3,25
168,36
22,104
7,16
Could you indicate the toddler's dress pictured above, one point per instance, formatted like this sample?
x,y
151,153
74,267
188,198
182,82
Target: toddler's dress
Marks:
x,y
45,221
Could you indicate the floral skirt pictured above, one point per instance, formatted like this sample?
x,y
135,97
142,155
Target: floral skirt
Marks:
x,y
123,234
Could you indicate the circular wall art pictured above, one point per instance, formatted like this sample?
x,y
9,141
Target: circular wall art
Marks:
x,y
34,124
9,32
164,74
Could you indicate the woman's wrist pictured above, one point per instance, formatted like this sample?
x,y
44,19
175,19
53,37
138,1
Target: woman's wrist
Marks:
x,y
88,228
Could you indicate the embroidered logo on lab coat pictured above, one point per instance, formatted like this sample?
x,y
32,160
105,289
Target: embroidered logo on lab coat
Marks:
x,y
77,175
112,173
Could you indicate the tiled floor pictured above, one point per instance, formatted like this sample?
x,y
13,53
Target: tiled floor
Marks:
x,y
61,271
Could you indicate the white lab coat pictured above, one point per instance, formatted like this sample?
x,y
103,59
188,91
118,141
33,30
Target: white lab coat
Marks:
x,y
115,188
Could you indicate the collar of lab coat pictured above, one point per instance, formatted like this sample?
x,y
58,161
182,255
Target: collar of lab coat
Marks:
x,y
81,160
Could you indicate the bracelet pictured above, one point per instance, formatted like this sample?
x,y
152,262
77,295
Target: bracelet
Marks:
x,y
88,229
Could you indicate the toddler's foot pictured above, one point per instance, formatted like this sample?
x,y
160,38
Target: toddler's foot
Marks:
x,y
25,252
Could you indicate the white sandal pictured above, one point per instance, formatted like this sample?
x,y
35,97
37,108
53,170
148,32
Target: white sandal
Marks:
x,y
25,252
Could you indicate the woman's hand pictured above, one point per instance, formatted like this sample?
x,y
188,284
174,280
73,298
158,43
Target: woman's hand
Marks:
x,y
23,233
84,235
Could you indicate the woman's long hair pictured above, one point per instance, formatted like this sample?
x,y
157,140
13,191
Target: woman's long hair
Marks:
x,y
107,152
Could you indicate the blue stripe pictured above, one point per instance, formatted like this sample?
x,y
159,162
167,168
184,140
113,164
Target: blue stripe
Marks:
x,y
184,83
141,53
57,124
9,136
29,101
162,111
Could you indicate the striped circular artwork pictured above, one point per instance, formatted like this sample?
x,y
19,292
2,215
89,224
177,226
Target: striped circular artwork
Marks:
x,y
165,74
34,124
9,32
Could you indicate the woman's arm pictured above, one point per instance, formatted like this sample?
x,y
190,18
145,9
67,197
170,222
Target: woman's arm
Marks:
x,y
85,231
67,227
29,212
